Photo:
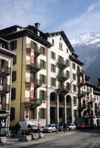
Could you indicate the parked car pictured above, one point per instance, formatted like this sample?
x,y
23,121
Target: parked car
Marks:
x,y
49,128
81,125
71,126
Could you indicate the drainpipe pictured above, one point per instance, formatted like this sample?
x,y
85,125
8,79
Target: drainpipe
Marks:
x,y
21,80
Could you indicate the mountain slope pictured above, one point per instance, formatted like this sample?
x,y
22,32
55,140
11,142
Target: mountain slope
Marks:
x,y
87,46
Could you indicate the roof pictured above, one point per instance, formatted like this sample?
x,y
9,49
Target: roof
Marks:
x,y
30,31
63,35
7,52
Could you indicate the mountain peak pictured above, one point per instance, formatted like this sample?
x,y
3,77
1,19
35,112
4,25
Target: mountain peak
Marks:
x,y
86,39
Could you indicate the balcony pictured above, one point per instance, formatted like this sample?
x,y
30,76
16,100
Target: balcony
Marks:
x,y
33,102
37,83
37,51
82,93
82,106
80,72
62,89
80,83
62,64
5,70
68,104
4,107
89,91
62,76
4,88
34,67
53,103
61,104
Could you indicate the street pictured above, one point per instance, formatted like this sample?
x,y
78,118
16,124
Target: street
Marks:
x,y
70,139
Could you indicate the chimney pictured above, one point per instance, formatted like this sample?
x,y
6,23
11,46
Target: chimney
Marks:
x,y
37,26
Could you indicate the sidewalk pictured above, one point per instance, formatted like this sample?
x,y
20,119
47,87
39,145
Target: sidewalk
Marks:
x,y
14,143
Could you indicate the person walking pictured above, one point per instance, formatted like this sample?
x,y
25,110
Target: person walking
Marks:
x,y
17,128
57,128
39,128
64,127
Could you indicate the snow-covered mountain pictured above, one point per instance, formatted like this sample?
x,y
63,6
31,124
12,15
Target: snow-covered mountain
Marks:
x,y
87,46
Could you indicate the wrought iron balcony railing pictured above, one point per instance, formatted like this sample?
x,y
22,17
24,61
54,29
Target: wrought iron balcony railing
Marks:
x,y
5,70
4,107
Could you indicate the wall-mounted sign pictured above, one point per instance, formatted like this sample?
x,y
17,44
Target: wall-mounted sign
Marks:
x,y
32,56
84,78
32,91
26,115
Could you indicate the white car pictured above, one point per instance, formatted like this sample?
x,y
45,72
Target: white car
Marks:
x,y
71,126
49,128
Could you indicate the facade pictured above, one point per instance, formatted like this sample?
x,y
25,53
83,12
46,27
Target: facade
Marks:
x,y
28,99
62,90
6,61
47,79
89,101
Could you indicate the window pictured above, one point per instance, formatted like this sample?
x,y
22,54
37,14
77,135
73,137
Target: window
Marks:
x,y
53,82
42,94
67,73
67,62
78,69
13,45
43,51
74,76
60,46
73,66
67,50
43,64
13,76
75,113
15,60
53,68
52,55
43,79
12,117
52,41
75,101
74,87
42,113
13,94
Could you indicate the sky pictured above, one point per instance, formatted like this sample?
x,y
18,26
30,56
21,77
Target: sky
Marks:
x,y
74,17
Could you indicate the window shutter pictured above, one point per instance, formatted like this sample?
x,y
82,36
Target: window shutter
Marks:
x,y
12,117
13,94
14,76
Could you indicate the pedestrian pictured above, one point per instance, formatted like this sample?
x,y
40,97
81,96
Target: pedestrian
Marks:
x,y
57,128
64,127
17,128
39,128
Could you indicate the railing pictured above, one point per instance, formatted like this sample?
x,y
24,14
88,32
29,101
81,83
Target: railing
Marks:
x,y
63,62
61,103
31,79
62,74
68,104
80,71
4,107
33,101
28,62
53,103
4,88
29,45
5,69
